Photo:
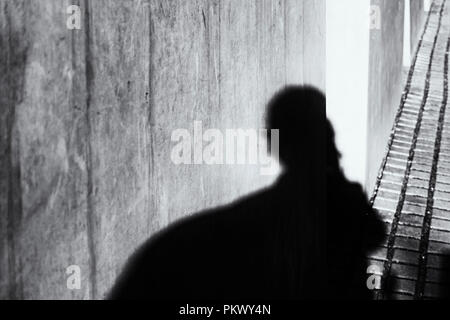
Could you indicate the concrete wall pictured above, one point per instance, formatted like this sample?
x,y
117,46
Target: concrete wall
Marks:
x,y
87,117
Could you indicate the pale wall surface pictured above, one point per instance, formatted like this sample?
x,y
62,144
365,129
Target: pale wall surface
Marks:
x,y
347,81
87,115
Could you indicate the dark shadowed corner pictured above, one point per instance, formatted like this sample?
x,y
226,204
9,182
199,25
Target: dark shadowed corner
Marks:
x,y
13,58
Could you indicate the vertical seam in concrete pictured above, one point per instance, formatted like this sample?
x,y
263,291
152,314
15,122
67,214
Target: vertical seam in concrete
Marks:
x,y
14,206
303,43
10,216
151,172
425,236
10,206
219,85
286,25
208,40
149,93
90,221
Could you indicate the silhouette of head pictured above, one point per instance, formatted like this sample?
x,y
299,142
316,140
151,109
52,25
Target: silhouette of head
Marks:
x,y
333,155
299,112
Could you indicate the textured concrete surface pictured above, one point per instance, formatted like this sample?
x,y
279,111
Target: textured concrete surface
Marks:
x,y
86,118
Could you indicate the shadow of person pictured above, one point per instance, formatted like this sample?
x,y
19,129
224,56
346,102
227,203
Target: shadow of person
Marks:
x,y
269,245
